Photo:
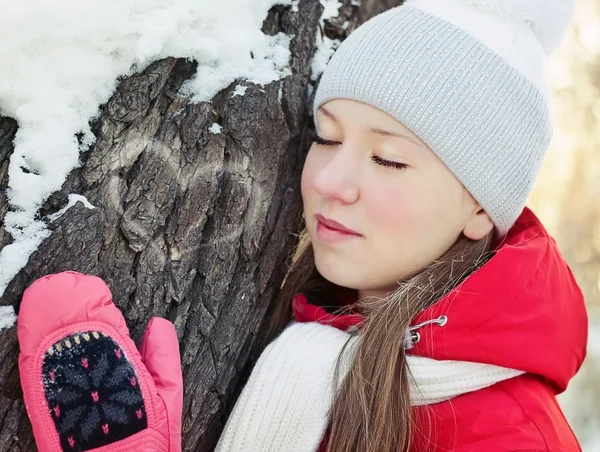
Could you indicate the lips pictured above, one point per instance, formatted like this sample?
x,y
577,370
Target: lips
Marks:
x,y
334,225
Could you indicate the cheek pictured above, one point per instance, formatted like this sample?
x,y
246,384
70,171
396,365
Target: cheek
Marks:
x,y
307,189
413,217
306,176
397,210
306,180
421,202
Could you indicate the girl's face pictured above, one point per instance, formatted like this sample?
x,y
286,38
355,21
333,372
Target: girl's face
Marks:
x,y
375,177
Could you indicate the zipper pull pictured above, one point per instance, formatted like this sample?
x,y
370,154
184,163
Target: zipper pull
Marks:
x,y
412,335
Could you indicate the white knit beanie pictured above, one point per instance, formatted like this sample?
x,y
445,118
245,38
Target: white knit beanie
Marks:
x,y
467,77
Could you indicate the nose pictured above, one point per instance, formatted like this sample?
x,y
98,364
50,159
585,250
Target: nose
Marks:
x,y
337,179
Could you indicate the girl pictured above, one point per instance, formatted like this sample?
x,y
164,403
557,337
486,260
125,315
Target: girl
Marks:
x,y
431,311
432,121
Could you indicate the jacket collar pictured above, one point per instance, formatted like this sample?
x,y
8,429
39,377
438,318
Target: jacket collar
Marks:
x,y
523,310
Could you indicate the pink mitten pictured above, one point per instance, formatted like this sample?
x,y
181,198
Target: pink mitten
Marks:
x,y
85,384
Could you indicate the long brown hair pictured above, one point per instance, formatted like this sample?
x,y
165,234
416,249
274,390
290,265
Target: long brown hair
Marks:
x,y
372,409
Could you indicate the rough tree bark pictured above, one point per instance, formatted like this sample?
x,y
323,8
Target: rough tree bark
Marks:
x,y
189,225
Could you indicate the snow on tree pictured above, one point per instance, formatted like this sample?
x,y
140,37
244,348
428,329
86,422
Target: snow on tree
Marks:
x,y
158,144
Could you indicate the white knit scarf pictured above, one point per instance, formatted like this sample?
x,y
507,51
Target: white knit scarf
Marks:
x,y
284,405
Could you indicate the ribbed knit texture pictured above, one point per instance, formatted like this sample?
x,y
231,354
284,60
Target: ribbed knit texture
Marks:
x,y
284,405
484,119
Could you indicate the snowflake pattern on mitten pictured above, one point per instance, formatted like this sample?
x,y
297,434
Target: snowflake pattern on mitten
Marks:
x,y
92,391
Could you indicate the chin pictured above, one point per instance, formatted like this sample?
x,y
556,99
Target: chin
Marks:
x,y
339,272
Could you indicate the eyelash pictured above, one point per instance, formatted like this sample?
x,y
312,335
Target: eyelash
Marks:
x,y
378,160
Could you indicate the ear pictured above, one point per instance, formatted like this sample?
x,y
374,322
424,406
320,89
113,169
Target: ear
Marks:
x,y
479,226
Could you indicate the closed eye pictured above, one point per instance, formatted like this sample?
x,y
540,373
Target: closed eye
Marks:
x,y
388,164
323,142
378,160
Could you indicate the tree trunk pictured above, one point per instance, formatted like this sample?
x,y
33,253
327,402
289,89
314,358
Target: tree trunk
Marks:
x,y
189,225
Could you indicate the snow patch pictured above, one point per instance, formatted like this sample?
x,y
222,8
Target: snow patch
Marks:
x,y
27,235
63,62
239,90
215,128
330,9
295,4
73,199
7,317
325,46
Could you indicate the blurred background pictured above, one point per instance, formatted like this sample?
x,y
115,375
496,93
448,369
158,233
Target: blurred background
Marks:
x,y
567,197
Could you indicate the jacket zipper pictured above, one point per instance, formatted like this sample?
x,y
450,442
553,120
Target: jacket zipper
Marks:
x,y
412,335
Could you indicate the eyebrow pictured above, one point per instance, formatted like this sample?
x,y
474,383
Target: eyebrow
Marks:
x,y
375,130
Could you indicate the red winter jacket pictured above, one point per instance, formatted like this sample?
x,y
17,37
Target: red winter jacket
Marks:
x,y
521,310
